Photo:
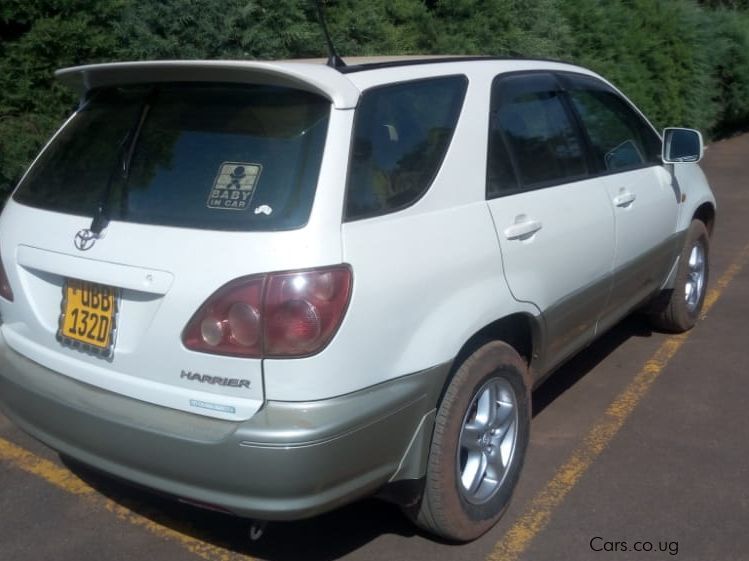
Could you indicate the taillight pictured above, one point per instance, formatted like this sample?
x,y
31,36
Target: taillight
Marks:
x,y
229,321
286,314
303,310
5,290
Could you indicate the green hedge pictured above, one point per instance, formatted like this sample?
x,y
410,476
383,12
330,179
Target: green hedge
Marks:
x,y
684,63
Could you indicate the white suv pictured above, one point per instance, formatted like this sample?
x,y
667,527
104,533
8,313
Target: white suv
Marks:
x,y
271,288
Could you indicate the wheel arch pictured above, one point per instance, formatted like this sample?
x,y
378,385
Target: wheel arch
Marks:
x,y
705,213
521,330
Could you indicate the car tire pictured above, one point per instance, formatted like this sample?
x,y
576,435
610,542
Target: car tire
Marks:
x,y
480,437
677,309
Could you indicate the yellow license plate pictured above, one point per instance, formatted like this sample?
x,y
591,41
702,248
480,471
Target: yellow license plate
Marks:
x,y
89,313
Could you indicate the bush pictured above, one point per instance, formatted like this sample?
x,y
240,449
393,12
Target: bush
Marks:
x,y
682,62
534,28
654,50
205,29
728,47
37,40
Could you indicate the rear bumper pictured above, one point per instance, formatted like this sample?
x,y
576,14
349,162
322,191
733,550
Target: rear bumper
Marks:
x,y
291,460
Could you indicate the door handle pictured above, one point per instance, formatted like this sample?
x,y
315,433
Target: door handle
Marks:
x,y
522,230
624,199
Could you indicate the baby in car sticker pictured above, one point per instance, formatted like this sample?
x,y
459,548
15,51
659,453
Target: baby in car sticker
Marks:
x,y
234,186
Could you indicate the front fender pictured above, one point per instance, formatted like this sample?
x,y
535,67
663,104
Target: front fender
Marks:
x,y
695,191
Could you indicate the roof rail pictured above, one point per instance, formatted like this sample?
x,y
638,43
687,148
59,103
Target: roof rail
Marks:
x,y
436,60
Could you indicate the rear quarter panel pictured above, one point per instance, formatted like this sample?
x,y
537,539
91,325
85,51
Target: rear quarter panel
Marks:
x,y
426,278
423,285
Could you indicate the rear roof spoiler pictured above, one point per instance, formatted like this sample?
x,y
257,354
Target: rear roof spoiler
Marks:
x,y
313,77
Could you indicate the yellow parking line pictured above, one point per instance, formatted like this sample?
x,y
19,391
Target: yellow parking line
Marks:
x,y
538,513
65,480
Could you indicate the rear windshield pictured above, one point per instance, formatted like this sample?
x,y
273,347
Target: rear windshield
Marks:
x,y
221,157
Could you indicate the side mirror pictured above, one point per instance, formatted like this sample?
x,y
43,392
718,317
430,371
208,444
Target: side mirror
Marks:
x,y
682,145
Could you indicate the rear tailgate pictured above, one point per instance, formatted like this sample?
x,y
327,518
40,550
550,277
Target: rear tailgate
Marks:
x,y
193,191
163,275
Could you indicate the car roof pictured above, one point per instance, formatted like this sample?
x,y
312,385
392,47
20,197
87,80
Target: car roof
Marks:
x,y
341,85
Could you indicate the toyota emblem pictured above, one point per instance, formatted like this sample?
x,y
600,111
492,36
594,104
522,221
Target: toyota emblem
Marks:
x,y
85,239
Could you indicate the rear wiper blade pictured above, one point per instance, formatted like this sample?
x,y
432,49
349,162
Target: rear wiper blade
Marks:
x,y
124,157
130,146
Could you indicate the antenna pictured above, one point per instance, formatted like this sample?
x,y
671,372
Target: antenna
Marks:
x,y
334,61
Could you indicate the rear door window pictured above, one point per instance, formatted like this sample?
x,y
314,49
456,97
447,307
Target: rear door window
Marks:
x,y
531,128
212,156
401,135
